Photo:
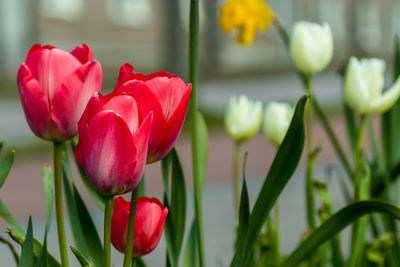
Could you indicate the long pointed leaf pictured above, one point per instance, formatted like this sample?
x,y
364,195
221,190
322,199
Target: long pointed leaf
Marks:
x,y
82,259
178,202
19,237
5,166
337,223
244,209
73,216
191,254
282,169
49,194
43,259
8,218
202,144
27,257
90,235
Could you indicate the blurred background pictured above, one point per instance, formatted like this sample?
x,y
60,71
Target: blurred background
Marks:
x,y
153,35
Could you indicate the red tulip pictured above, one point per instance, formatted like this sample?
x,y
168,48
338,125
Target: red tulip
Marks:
x,y
165,95
55,86
149,225
113,143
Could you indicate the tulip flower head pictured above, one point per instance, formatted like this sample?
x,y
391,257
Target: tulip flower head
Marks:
x,y
163,94
149,225
243,118
247,16
277,117
364,83
113,141
311,46
55,87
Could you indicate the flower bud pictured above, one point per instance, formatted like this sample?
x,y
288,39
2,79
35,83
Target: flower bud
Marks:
x,y
311,46
364,83
55,86
113,143
149,225
243,118
277,117
166,96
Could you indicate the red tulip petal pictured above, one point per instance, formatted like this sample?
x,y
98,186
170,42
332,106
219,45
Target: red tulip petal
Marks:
x,y
83,53
34,103
70,100
107,152
172,129
169,92
50,68
147,103
124,74
126,107
119,224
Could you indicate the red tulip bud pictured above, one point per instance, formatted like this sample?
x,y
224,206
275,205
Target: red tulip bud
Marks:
x,y
149,225
165,95
55,87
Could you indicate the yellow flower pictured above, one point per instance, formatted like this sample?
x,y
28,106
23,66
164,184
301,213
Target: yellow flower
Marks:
x,y
247,16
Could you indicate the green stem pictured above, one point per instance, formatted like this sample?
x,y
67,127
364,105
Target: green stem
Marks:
x,y
131,228
358,226
58,154
193,65
310,202
339,151
235,178
134,262
276,235
108,207
358,158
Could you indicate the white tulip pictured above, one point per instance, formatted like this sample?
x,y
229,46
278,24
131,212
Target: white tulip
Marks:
x,y
243,118
277,117
363,87
311,46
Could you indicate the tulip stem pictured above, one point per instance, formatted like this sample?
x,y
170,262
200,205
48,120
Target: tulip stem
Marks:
x,y
107,231
310,202
131,228
235,181
193,72
58,154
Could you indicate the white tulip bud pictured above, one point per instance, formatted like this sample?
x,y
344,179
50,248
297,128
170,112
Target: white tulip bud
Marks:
x,y
311,46
243,118
363,87
277,117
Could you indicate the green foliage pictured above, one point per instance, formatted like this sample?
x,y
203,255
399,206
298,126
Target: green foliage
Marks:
x,y
281,171
5,166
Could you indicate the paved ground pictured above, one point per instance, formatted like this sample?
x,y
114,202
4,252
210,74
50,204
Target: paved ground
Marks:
x,y
23,192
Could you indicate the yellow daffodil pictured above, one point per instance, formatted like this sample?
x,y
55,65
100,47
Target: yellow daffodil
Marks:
x,y
247,16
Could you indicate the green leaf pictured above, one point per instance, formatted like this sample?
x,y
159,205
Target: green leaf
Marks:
x,y
98,198
140,262
8,218
202,145
27,258
281,170
82,259
390,120
176,219
178,202
244,209
19,237
337,223
43,259
5,166
169,233
49,194
90,235
191,252
165,169
75,225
